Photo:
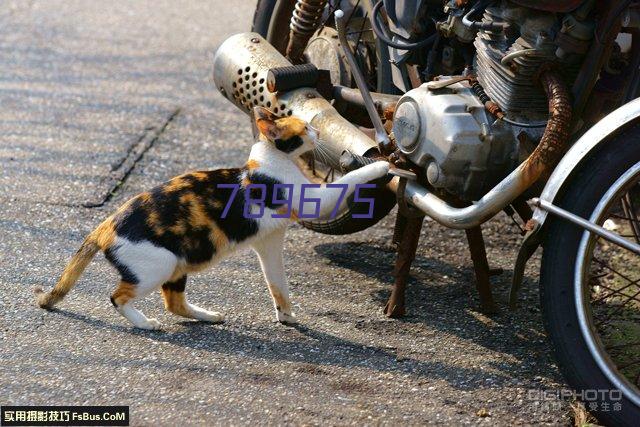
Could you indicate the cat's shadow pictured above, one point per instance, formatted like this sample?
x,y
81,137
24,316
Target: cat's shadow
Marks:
x,y
449,309
302,344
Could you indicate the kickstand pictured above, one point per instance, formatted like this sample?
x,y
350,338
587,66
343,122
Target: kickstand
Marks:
x,y
481,268
406,236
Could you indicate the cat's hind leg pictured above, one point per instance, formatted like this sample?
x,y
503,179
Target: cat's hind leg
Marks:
x,y
143,267
270,251
122,299
176,302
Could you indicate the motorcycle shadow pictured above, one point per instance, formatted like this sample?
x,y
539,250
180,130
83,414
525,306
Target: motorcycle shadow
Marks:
x,y
442,296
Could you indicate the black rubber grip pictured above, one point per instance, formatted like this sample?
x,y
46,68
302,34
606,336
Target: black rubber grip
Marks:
x,y
283,79
350,161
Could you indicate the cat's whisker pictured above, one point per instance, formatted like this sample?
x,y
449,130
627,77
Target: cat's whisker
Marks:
x,y
322,155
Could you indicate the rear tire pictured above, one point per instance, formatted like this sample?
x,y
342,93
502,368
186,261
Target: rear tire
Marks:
x,y
557,285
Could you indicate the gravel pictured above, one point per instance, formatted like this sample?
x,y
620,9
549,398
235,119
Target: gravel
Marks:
x,y
83,83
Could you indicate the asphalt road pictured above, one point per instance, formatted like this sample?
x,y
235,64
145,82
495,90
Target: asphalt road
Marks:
x,y
92,93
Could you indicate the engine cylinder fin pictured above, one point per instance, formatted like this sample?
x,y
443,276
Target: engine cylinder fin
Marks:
x,y
512,84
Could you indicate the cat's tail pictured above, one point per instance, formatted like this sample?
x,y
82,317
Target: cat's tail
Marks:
x,y
91,245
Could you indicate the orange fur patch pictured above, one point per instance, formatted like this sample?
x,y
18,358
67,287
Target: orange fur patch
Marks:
x,y
175,302
178,228
291,126
293,214
219,239
180,271
124,293
153,221
176,184
200,176
105,234
253,164
197,214
282,304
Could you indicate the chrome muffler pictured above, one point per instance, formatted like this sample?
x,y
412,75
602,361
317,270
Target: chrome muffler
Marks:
x,y
242,63
240,69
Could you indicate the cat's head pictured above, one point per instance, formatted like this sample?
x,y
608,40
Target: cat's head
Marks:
x,y
291,135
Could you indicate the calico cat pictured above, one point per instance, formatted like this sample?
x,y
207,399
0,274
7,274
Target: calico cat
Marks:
x,y
158,237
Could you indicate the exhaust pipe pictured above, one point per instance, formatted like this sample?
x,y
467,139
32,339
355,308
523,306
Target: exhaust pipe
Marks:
x,y
240,69
240,72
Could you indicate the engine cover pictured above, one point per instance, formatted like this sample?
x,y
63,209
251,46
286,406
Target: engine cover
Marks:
x,y
449,132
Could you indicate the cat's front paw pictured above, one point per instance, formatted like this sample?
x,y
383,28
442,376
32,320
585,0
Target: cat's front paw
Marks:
x,y
287,319
149,324
212,317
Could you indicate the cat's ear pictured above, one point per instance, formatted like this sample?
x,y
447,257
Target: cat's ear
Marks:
x,y
266,123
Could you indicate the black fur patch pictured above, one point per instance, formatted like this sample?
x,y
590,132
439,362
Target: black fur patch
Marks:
x,y
235,225
289,145
269,182
172,228
177,286
126,274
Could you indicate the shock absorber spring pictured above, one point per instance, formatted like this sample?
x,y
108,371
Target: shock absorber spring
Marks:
x,y
304,22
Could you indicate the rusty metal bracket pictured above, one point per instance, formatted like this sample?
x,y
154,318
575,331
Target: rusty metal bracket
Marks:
x,y
406,236
481,269
527,249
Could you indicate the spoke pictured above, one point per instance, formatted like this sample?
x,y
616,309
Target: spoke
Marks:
x,y
359,32
626,365
605,265
617,346
599,276
624,217
613,292
351,14
626,201
617,310
364,21
332,8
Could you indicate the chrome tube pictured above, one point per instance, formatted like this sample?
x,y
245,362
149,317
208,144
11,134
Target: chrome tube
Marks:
x,y
246,58
381,134
240,69
468,217
592,227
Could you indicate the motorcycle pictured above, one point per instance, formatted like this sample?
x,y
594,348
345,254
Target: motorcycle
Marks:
x,y
482,106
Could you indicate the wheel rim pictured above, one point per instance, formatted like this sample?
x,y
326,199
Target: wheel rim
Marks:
x,y
608,299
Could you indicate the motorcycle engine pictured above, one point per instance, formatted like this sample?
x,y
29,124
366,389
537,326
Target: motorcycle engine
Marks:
x,y
447,130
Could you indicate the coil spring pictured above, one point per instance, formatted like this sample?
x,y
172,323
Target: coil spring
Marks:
x,y
306,16
480,93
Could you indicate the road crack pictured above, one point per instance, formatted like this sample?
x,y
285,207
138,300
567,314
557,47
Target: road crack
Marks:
x,y
123,168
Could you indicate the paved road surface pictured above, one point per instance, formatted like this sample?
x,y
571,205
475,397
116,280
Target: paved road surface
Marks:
x,y
95,92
